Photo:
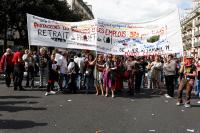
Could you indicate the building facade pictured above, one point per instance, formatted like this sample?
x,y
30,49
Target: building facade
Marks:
x,y
191,30
81,8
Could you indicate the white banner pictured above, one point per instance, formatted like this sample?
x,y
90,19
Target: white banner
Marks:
x,y
75,35
161,36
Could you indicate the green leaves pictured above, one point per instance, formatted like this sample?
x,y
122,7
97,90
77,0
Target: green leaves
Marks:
x,y
153,39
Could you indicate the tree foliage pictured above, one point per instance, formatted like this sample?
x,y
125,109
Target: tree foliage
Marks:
x,y
153,39
13,14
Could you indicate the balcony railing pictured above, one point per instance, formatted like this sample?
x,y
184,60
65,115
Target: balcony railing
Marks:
x,y
187,46
187,37
197,44
188,28
197,33
197,22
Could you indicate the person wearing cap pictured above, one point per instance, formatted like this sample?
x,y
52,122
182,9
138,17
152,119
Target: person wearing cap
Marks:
x,y
6,65
169,69
187,79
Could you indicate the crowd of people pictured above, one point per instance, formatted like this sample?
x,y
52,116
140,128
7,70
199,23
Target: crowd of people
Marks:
x,y
104,72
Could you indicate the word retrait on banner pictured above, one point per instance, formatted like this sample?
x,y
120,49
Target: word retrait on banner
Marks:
x,y
154,37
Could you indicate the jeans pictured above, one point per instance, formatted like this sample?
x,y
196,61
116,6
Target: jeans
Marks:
x,y
30,75
198,88
78,80
63,79
8,72
89,83
18,77
169,81
43,76
188,84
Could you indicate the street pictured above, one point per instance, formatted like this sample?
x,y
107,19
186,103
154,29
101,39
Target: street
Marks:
x,y
32,112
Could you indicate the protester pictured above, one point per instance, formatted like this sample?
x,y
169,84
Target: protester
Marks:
x,y
72,73
109,76
156,67
29,67
63,72
36,65
6,65
169,72
198,77
81,64
52,72
18,69
139,74
99,75
43,61
119,73
89,76
130,73
187,79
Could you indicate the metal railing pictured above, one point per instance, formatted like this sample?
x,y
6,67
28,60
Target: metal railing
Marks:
x,y
197,33
197,44
197,22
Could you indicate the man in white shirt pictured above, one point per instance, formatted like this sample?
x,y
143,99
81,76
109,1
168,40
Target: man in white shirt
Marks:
x,y
63,72
80,62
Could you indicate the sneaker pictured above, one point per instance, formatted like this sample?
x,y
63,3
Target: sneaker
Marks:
x,y
46,94
178,104
167,96
187,105
113,96
52,92
106,95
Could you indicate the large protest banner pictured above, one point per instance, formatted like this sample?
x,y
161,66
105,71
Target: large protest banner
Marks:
x,y
52,33
161,36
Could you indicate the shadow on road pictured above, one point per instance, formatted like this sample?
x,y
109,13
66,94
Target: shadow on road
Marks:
x,y
18,97
196,106
19,124
18,108
145,94
15,102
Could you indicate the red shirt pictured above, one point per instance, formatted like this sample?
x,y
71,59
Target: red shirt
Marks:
x,y
17,55
6,61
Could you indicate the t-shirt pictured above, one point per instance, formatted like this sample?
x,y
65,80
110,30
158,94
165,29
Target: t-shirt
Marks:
x,y
63,65
190,70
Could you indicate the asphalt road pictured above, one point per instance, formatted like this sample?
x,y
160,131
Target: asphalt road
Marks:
x,y
32,112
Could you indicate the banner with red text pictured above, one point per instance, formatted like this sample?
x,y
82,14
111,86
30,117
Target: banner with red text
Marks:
x,y
161,36
52,33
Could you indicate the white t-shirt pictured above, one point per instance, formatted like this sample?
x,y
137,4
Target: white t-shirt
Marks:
x,y
80,62
58,59
63,65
